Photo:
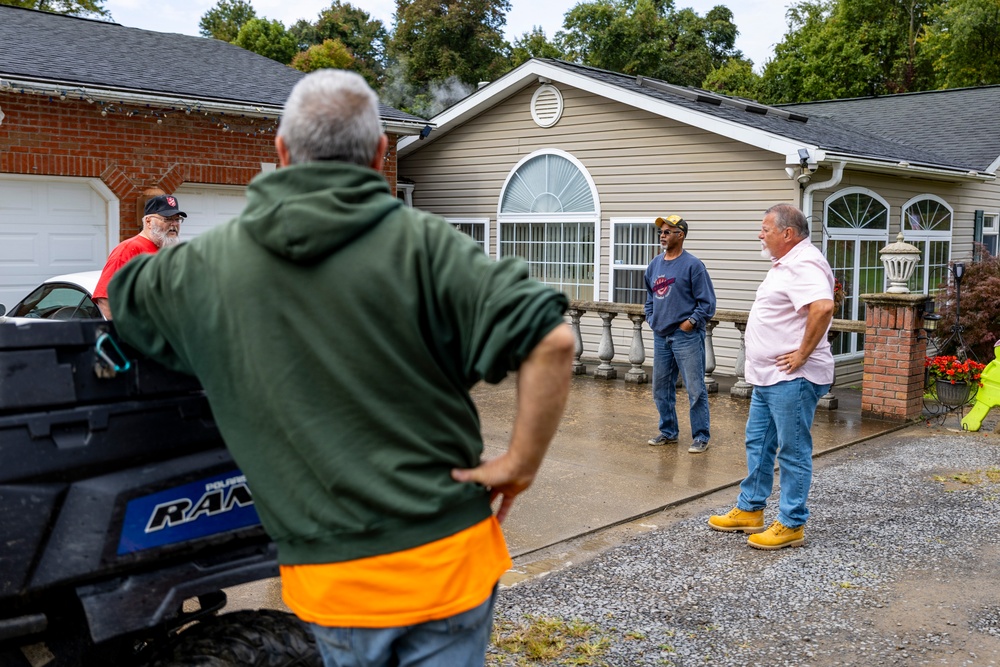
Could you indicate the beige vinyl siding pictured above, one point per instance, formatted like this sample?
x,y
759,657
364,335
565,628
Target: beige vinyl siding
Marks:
x,y
642,165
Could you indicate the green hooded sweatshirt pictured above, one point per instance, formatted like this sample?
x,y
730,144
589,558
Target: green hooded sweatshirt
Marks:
x,y
337,334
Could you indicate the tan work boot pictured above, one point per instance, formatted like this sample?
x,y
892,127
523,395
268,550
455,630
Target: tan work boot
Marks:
x,y
778,536
737,519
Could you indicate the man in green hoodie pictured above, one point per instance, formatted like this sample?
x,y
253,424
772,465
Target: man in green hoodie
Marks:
x,y
337,334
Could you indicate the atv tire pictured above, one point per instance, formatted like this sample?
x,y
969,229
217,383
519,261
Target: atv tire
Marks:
x,y
263,638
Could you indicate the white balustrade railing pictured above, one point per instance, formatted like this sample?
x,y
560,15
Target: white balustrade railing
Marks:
x,y
607,311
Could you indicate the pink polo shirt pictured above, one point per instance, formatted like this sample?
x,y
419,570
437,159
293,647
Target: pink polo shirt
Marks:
x,y
777,320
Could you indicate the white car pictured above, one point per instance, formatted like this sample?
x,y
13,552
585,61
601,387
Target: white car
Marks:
x,y
66,297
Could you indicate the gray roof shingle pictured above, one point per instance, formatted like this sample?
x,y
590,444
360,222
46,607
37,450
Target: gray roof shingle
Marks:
x,y
826,129
960,123
85,52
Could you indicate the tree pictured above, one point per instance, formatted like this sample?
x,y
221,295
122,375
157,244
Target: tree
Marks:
x,y
330,54
364,37
83,8
849,48
650,38
736,78
267,38
962,43
533,44
225,19
438,39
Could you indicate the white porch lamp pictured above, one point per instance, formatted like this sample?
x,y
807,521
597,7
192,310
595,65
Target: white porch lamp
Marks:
x,y
900,260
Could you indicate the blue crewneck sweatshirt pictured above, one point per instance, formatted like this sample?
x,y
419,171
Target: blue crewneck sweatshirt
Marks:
x,y
676,290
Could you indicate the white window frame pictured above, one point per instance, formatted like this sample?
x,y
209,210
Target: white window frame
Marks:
x,y
405,189
858,235
480,222
613,266
991,227
927,236
587,218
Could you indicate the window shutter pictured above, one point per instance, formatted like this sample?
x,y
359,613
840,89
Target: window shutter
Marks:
x,y
977,236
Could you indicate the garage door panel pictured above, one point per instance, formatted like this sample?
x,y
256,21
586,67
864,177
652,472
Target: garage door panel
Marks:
x,y
48,227
208,207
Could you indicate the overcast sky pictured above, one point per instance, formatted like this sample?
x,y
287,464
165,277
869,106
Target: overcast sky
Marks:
x,y
761,22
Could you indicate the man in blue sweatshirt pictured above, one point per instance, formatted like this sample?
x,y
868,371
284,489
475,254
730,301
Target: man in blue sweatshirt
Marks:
x,y
680,300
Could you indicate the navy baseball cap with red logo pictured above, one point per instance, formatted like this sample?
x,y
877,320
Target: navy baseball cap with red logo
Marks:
x,y
165,205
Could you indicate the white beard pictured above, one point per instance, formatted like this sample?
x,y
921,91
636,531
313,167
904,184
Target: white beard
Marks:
x,y
163,239
764,252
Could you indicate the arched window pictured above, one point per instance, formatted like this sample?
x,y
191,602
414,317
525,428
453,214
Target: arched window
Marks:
x,y
855,228
926,224
549,215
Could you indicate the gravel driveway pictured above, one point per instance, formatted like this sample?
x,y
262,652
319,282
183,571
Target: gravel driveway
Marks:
x,y
901,567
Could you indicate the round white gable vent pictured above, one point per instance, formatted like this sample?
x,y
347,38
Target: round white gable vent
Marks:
x,y
546,106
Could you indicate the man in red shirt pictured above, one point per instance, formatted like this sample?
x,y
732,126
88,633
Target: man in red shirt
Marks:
x,y
161,228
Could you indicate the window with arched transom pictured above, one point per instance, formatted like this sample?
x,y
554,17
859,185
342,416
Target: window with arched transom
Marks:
x,y
855,228
549,215
926,224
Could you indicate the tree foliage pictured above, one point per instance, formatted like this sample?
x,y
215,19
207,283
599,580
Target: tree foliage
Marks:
x,y
224,20
533,44
267,38
962,43
736,78
980,306
850,48
364,38
438,39
83,8
331,54
650,38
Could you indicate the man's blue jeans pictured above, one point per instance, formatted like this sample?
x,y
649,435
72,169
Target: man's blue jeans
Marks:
x,y
684,352
779,424
459,640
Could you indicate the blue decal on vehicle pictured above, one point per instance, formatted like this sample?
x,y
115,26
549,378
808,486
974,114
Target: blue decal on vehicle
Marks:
x,y
216,504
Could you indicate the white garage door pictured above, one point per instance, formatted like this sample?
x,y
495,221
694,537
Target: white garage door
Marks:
x,y
208,206
50,226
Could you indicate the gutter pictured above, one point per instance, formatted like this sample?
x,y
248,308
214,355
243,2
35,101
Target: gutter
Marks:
x,y
807,193
186,104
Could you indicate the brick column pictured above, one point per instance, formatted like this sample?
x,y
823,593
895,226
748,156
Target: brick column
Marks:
x,y
893,385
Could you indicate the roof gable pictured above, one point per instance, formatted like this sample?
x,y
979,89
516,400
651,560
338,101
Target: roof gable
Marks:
x,y
775,129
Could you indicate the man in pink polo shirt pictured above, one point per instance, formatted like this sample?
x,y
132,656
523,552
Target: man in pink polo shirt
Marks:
x,y
789,364
161,228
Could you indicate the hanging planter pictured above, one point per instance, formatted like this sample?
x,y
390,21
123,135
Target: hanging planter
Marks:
x,y
952,394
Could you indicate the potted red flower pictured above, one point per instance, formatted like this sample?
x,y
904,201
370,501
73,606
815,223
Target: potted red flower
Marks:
x,y
953,379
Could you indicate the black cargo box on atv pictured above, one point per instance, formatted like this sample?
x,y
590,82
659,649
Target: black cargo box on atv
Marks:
x,y
118,499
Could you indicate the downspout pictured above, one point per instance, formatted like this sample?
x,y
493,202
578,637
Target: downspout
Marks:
x,y
807,198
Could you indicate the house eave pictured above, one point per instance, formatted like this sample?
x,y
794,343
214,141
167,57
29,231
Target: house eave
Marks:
x,y
909,170
167,101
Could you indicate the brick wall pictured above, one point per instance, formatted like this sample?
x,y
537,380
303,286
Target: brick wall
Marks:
x,y
893,384
132,154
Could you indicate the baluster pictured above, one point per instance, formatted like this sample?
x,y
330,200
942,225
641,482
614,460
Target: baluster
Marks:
x,y
575,314
829,401
711,384
637,353
606,351
742,388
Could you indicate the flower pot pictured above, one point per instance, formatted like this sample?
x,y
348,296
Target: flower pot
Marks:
x,y
952,394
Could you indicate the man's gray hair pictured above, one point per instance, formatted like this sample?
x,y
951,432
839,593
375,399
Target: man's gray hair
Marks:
x,y
331,115
785,216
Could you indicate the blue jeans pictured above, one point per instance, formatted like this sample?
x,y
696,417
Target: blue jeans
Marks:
x,y
684,352
779,424
457,641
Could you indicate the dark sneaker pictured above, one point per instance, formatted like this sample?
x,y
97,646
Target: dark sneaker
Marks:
x,y
698,447
661,439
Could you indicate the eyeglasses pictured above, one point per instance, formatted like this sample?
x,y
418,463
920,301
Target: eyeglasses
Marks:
x,y
668,232
173,218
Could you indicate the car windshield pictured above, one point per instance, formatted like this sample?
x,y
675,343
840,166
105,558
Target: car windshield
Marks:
x,y
57,301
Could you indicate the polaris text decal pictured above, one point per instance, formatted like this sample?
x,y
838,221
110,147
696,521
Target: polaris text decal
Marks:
x,y
216,504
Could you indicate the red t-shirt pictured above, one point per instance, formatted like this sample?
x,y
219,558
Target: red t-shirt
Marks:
x,y
126,250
